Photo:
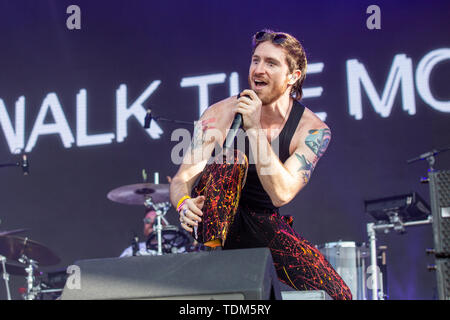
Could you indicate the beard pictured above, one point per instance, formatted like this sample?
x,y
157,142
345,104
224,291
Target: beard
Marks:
x,y
269,93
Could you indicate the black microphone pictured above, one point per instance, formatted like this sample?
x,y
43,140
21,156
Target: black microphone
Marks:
x,y
148,118
235,125
25,165
135,245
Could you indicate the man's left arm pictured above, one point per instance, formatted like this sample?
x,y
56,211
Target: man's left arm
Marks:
x,y
282,181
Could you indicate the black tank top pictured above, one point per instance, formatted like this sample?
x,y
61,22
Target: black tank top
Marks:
x,y
253,194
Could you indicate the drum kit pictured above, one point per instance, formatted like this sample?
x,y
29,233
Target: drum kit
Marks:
x,y
21,256
165,239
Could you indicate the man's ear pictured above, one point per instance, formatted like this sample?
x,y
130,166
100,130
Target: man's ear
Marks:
x,y
294,76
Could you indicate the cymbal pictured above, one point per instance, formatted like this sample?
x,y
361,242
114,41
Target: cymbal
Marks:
x,y
13,248
11,232
136,194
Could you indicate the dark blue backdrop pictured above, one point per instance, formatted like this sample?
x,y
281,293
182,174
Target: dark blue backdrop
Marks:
x,y
133,44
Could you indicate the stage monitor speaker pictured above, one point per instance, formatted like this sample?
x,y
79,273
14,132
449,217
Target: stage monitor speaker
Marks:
x,y
440,208
244,274
305,295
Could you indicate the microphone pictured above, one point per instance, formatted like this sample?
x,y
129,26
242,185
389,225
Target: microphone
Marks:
x,y
148,119
235,125
25,165
423,156
135,245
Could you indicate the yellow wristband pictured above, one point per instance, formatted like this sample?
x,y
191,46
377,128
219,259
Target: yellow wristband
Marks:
x,y
181,201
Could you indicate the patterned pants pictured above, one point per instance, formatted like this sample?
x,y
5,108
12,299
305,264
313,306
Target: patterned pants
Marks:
x,y
297,262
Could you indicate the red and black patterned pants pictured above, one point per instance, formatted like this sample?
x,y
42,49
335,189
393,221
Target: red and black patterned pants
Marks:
x,y
297,262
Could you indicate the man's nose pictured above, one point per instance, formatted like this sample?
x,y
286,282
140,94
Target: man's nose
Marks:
x,y
259,69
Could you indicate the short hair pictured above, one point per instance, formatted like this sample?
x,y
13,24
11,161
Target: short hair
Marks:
x,y
295,57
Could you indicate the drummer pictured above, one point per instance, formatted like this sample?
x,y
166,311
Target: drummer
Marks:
x,y
149,220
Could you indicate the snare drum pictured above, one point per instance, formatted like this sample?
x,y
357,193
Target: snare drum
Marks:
x,y
350,261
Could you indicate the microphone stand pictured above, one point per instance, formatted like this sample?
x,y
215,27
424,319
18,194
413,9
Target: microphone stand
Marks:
x,y
234,127
429,157
4,165
148,119
23,164
173,121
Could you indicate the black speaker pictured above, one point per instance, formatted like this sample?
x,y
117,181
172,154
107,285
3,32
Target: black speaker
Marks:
x,y
440,208
443,278
221,275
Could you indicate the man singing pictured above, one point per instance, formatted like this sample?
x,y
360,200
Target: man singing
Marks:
x,y
272,116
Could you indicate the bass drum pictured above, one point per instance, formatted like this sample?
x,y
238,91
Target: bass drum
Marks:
x,y
350,260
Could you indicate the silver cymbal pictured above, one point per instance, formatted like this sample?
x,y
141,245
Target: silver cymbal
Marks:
x,y
136,194
13,248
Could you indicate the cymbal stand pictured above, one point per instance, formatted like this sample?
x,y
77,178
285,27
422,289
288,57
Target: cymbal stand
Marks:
x,y
5,277
396,224
32,291
161,210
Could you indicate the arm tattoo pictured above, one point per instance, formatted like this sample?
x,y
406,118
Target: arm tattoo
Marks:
x,y
197,136
199,130
306,166
318,141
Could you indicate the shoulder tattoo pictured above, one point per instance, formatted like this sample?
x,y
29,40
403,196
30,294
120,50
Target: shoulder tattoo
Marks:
x,y
318,140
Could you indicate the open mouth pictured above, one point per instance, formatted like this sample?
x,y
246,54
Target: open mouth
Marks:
x,y
259,84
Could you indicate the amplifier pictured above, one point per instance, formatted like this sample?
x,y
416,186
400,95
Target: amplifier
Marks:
x,y
440,207
226,274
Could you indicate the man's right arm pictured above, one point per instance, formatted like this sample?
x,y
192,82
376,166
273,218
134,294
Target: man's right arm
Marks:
x,y
205,137
195,159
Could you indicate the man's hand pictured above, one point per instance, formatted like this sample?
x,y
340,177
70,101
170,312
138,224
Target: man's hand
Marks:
x,y
250,108
191,212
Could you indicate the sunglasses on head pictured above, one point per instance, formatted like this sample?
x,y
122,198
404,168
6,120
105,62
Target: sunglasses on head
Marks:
x,y
279,38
